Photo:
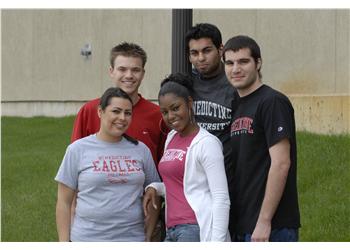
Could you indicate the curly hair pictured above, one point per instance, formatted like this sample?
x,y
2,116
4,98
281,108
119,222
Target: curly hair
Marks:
x,y
178,84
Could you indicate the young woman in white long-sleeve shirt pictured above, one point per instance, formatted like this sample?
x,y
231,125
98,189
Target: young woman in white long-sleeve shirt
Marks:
x,y
192,169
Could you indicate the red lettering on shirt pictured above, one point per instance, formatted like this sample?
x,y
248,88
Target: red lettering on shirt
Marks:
x,y
96,168
113,166
105,167
122,170
129,166
242,124
134,163
122,166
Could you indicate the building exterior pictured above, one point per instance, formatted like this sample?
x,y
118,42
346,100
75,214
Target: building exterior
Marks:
x,y
306,55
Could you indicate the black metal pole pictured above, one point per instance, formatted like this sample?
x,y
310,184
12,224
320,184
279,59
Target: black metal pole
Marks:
x,y
181,23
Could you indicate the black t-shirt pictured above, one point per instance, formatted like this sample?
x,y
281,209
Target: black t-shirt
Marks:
x,y
260,120
212,107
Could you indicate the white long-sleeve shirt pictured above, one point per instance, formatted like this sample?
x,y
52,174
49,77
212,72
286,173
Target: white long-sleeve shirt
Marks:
x,y
205,185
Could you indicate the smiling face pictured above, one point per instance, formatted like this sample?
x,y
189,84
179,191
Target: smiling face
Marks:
x,y
115,119
127,74
176,113
242,71
205,57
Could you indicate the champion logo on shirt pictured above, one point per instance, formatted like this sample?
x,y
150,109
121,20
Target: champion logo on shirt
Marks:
x,y
280,129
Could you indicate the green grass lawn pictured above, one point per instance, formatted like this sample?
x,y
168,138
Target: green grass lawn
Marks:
x,y
324,187
32,150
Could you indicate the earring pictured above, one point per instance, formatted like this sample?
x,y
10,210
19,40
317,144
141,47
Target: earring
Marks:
x,y
191,116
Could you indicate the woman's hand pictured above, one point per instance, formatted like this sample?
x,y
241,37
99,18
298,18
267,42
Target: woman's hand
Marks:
x,y
151,208
65,196
149,196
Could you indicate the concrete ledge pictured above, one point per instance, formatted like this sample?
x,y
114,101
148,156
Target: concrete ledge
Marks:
x,y
41,108
323,114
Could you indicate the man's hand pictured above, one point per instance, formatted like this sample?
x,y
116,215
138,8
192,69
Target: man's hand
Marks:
x,y
262,231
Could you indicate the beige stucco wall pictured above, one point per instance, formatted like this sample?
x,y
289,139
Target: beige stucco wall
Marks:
x,y
306,54
41,51
303,51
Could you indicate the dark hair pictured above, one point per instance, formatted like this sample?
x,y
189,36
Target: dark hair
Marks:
x,y
204,30
178,84
106,98
241,42
128,50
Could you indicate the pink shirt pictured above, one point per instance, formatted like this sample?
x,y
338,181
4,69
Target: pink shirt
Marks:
x,y
171,168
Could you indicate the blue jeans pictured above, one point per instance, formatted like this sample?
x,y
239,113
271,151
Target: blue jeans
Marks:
x,y
277,235
183,233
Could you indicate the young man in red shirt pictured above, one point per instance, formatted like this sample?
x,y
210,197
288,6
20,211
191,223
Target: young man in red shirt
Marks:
x,y
127,61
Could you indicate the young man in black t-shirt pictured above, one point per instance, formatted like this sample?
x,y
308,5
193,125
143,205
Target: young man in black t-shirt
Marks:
x,y
264,200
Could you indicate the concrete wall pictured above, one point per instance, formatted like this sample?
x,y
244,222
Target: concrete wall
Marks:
x,y
41,52
306,54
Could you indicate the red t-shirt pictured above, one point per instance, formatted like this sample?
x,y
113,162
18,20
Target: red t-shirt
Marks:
x,y
146,125
171,168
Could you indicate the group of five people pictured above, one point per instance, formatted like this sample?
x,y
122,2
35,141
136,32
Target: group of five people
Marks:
x,y
220,148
